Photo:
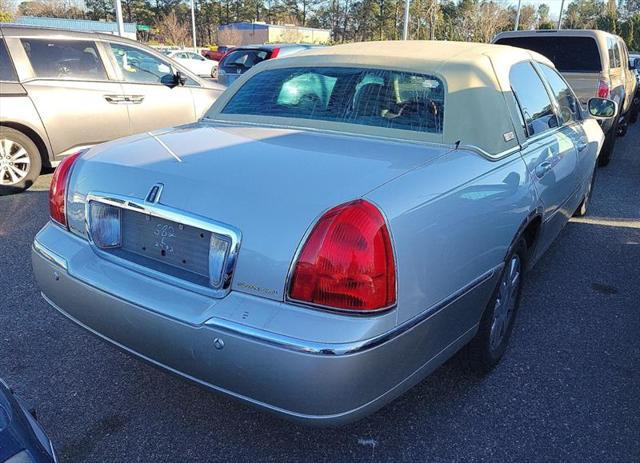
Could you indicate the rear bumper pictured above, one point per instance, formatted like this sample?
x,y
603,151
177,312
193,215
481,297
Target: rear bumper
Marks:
x,y
316,383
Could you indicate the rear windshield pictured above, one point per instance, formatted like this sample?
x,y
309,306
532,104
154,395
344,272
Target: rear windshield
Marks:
x,y
569,54
374,97
244,59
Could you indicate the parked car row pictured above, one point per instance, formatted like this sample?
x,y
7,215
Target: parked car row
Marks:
x,y
63,91
339,223
595,63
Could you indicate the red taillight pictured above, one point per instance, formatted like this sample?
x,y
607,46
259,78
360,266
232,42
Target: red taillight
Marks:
x,y
274,53
603,89
58,189
347,261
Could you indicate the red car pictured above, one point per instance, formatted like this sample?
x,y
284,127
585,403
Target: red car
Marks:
x,y
218,54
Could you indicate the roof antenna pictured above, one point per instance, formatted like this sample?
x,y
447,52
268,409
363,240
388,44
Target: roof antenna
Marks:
x,y
457,144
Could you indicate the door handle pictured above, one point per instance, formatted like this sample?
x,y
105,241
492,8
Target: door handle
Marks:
x,y
135,99
582,145
543,168
115,99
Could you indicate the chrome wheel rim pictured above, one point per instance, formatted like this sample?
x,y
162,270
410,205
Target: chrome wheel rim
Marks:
x,y
506,302
14,162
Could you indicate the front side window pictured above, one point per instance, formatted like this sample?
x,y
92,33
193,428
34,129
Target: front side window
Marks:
x,y
64,59
373,97
532,98
7,72
141,67
567,102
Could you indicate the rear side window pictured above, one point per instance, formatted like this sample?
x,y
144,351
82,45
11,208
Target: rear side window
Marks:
x,y
569,54
614,53
64,59
244,59
567,102
7,72
532,98
373,97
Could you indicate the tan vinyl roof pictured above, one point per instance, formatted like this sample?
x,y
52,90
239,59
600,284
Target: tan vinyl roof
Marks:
x,y
478,107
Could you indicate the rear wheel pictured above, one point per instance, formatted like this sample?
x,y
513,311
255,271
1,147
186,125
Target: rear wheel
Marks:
x,y
490,342
20,161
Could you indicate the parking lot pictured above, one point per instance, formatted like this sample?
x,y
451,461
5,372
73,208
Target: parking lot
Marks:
x,y
567,389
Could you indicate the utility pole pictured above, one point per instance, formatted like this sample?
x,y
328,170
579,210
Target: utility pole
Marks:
x,y
193,24
560,16
405,30
119,18
518,15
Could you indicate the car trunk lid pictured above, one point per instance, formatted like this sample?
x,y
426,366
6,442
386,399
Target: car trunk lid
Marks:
x,y
269,183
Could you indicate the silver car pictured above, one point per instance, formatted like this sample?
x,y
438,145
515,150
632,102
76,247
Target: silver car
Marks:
x,y
339,224
63,91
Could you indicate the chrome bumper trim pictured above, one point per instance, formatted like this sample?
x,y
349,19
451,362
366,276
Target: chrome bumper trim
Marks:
x,y
308,347
50,255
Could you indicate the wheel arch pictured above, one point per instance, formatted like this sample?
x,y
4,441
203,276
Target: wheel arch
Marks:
x,y
34,136
529,230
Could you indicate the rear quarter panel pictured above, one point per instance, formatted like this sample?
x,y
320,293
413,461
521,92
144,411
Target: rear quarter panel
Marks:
x,y
452,221
18,111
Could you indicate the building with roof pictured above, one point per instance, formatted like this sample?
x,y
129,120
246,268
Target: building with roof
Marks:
x,y
81,25
245,33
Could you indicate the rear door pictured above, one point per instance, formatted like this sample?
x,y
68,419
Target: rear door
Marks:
x,y
548,151
78,103
629,76
616,73
147,82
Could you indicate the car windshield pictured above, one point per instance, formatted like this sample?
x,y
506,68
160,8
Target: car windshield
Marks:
x,y
374,97
569,54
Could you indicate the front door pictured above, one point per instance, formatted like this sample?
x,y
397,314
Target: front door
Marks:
x,y
147,82
548,151
78,104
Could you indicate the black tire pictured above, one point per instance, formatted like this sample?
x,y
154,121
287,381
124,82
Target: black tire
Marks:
x,y
609,145
622,129
584,205
484,351
14,141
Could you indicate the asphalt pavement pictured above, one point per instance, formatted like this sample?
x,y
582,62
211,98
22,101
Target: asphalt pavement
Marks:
x,y
567,390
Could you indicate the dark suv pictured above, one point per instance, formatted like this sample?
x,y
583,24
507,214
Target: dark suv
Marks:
x,y
241,59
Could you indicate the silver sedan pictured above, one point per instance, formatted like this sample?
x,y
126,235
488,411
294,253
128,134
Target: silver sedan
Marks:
x,y
339,224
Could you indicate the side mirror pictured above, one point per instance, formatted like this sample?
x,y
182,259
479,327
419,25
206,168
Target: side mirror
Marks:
x,y
602,108
180,79
174,79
